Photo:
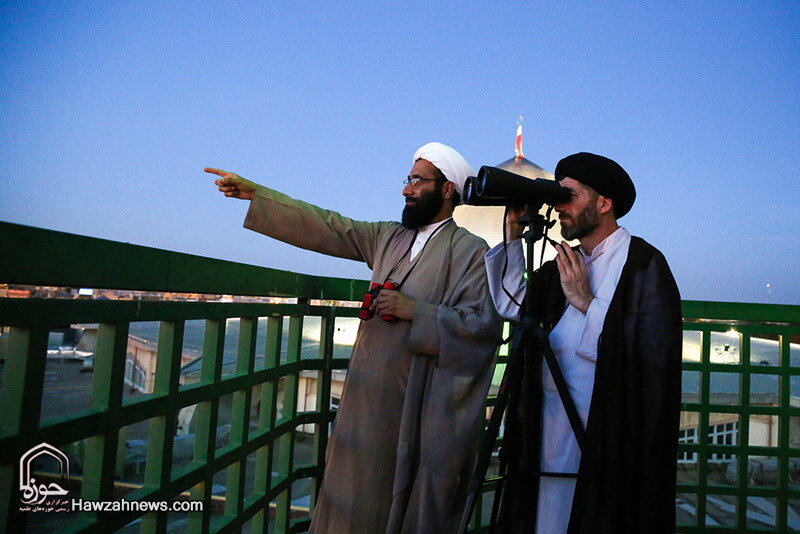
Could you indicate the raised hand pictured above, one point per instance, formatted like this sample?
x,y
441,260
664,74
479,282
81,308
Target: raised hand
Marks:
x,y
513,228
233,185
574,277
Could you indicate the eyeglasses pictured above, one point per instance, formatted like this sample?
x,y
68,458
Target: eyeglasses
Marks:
x,y
414,180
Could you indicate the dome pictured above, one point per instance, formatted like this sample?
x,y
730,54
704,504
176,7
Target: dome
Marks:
x,y
487,221
525,167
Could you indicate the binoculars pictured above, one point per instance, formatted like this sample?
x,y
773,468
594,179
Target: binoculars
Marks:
x,y
498,187
369,297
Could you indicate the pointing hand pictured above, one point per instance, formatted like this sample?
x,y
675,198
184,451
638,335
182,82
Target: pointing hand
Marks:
x,y
233,185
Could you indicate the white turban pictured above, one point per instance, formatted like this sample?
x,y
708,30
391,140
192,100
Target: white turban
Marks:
x,y
452,164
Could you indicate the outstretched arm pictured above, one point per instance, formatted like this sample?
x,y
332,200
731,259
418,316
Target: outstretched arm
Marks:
x,y
302,224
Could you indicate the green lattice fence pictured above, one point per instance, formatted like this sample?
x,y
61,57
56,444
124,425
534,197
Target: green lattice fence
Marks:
x,y
256,384
241,423
739,460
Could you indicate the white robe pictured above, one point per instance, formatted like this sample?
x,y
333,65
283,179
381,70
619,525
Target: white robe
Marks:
x,y
574,342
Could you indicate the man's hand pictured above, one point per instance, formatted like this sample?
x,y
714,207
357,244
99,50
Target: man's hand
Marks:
x,y
513,228
233,185
391,302
574,279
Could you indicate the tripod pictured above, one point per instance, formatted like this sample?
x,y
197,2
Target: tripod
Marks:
x,y
528,346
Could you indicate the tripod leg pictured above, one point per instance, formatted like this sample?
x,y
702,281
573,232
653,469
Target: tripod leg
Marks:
x,y
534,360
510,383
509,448
563,390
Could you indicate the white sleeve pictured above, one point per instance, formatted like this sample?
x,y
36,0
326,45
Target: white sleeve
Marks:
x,y
514,281
595,317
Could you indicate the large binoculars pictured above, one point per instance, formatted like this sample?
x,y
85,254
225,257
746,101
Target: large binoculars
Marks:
x,y
365,313
497,187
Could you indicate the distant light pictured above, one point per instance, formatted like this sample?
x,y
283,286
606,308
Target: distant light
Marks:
x,y
732,332
86,291
769,286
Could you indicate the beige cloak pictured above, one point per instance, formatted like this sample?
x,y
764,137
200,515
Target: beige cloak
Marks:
x,y
402,449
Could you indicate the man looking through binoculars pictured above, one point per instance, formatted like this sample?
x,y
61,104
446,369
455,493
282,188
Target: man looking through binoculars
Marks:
x,y
403,446
612,312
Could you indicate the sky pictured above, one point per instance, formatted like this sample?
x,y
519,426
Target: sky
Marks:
x,y
110,110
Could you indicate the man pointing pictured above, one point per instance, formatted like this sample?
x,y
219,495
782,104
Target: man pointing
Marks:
x,y
401,452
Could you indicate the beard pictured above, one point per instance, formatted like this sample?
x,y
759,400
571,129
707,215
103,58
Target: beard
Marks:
x,y
583,225
421,211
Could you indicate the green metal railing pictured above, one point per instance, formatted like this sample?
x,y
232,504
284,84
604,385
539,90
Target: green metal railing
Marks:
x,y
719,486
41,257
739,470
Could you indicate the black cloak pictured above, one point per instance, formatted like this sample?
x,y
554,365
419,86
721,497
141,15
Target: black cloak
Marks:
x,y
627,473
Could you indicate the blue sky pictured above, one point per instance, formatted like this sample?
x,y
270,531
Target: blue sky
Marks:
x,y
110,111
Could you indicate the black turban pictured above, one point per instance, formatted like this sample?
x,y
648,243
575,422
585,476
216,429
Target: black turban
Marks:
x,y
601,174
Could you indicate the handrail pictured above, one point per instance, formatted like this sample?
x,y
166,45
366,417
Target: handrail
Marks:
x,y
724,391
48,257
740,311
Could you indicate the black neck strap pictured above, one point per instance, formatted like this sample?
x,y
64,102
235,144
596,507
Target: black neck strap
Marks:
x,y
408,250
